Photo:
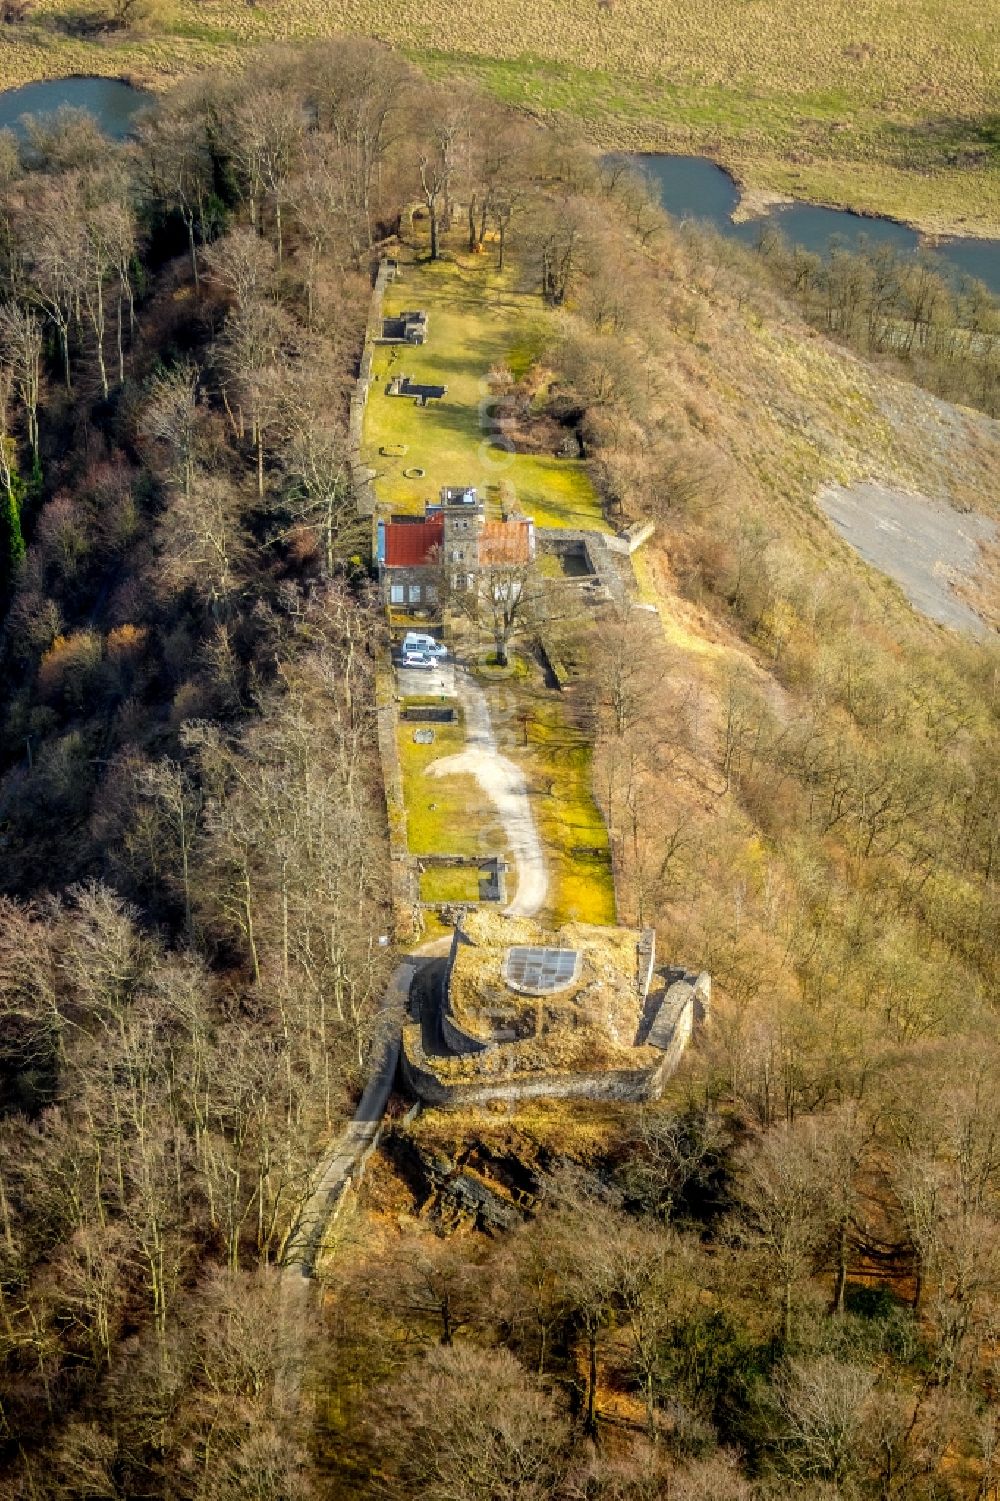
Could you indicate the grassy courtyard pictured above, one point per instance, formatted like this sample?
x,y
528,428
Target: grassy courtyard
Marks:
x,y
451,815
534,727
444,815
477,320
450,883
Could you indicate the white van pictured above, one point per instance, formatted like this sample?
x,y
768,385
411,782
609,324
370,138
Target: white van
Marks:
x,y
421,642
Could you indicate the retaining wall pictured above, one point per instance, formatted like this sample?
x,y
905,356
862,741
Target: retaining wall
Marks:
x,y
362,483
405,896
623,1084
455,1037
457,1040
646,960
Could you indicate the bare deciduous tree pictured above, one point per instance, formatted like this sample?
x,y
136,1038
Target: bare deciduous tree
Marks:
x,y
470,1426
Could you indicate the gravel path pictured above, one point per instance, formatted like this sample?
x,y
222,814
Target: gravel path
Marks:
x,y
334,1172
505,786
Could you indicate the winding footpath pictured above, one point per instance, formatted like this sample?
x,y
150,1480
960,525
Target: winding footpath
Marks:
x,y
505,785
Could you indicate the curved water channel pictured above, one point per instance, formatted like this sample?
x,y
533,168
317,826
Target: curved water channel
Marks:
x,y
692,187
113,103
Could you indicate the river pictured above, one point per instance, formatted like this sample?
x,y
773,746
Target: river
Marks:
x,y
113,103
692,187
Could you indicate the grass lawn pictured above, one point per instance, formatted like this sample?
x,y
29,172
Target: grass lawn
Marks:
x,y
534,729
572,829
477,320
450,815
450,884
444,815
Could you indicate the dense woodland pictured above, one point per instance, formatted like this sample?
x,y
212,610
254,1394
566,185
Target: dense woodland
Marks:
x,y
784,1280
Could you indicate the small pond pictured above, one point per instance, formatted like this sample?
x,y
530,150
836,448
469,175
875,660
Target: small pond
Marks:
x,y
692,187
112,103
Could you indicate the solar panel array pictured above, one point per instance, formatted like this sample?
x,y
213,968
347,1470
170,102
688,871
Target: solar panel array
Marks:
x,y
540,969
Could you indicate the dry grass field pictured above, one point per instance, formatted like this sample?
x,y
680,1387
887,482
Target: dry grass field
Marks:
x,y
882,105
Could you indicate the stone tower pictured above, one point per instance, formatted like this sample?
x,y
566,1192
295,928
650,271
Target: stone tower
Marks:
x,y
463,513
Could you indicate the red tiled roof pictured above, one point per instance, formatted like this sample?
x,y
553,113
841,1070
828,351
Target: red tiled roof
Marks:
x,y
502,542
408,544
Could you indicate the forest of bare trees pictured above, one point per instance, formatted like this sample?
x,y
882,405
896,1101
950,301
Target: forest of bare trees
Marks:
x,y
782,1281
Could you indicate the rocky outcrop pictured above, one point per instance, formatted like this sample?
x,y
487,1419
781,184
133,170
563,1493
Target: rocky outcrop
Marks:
x,y
480,1187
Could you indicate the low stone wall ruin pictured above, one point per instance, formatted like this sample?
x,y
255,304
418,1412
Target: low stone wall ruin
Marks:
x,y
606,573
685,1003
626,1085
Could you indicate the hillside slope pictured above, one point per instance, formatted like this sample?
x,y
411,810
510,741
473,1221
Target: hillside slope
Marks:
x,y
817,783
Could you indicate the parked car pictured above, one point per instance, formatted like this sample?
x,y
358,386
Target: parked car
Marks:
x,y
420,641
417,659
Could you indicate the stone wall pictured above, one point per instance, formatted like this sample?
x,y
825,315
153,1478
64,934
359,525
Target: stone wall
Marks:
x,y
615,577
455,1037
628,541
362,480
622,1084
402,874
458,1040
490,869
646,960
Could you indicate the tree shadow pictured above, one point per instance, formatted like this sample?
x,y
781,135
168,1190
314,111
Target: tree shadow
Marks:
x,y
949,140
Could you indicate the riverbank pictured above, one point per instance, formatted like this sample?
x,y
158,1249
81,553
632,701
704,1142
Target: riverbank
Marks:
x,y
935,200
757,201
900,128
696,187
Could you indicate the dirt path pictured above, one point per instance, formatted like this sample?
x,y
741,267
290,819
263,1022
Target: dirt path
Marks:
x,y
505,785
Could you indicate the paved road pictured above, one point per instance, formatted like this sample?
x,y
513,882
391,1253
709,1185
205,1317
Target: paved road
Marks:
x,y
418,682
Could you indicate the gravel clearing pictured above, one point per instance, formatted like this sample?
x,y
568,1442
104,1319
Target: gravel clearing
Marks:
x,y
925,545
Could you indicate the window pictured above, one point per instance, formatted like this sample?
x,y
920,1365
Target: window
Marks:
x,y
415,593
540,971
397,594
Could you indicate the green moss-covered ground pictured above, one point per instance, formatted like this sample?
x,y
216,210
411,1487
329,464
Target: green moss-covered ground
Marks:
x,y
450,883
444,815
535,728
477,320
